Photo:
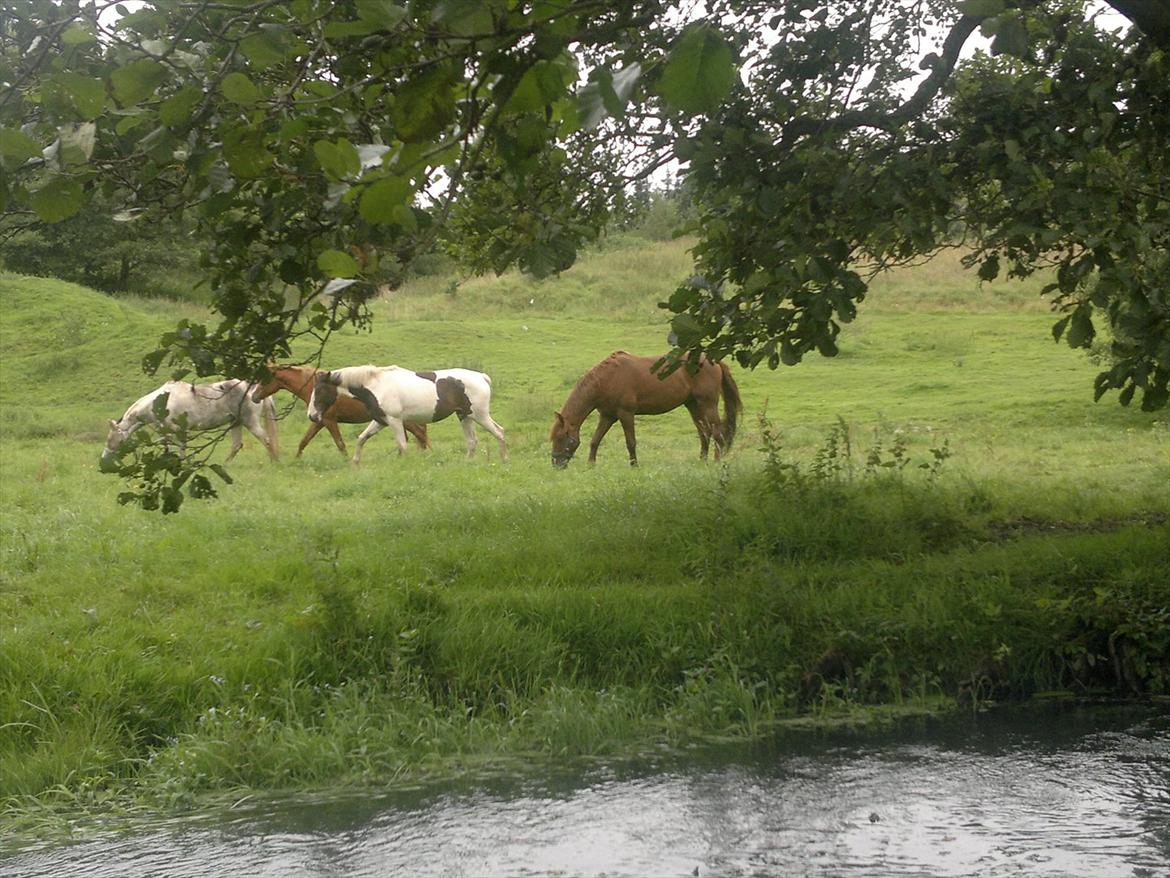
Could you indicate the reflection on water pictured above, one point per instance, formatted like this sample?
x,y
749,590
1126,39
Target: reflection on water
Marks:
x,y
1045,791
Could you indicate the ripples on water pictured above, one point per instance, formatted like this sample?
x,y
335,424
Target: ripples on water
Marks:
x,y
1033,792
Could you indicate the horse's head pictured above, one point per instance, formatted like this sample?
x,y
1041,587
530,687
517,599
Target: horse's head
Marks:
x,y
119,433
566,439
268,386
324,394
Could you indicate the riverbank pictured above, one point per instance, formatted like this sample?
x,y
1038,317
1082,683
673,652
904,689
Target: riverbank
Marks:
x,y
939,516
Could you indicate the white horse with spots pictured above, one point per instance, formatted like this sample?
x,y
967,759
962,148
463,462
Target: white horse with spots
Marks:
x,y
393,394
206,406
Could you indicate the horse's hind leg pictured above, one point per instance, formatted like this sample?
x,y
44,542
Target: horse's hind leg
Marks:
x,y
237,441
257,429
703,425
485,420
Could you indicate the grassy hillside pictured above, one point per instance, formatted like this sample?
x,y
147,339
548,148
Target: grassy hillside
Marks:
x,y
321,625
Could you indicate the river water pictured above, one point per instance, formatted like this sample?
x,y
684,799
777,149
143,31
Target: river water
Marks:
x,y
1048,790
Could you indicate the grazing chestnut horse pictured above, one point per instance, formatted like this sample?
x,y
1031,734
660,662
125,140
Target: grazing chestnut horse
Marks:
x,y
298,380
623,385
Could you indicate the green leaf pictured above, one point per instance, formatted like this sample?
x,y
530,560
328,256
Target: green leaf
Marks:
x,y
989,268
76,35
607,95
245,152
789,356
239,89
87,95
1080,330
464,18
339,160
75,143
335,263
591,105
270,46
137,81
381,199
160,406
542,84
221,472
699,72
176,110
424,106
58,199
687,328
264,48
17,145
339,29
1011,38
981,8
381,13
172,499
404,217
1155,397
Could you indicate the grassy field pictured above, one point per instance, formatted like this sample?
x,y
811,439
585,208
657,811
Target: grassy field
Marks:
x,y
323,626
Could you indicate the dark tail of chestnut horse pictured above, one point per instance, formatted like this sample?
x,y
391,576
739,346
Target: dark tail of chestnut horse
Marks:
x,y
732,405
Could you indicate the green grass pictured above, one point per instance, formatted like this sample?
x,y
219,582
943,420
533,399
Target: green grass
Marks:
x,y
321,625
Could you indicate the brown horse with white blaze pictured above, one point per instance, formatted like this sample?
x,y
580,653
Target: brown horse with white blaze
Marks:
x,y
623,385
298,380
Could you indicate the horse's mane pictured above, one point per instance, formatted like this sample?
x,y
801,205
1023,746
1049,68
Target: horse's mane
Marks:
x,y
362,373
293,367
587,384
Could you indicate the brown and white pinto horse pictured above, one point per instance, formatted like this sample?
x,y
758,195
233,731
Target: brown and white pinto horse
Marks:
x,y
298,380
395,396
623,385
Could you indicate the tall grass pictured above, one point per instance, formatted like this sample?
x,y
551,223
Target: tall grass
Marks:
x,y
939,512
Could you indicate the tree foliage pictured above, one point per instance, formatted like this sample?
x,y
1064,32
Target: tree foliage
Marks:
x,y
322,146
1049,152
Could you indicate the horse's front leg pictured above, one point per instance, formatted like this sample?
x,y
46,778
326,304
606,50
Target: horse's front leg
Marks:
x,y
335,432
371,430
627,419
604,422
469,434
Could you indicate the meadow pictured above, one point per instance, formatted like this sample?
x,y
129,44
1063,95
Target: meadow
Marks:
x,y
938,516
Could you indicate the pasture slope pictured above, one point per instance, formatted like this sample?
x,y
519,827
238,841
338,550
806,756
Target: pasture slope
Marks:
x,y
324,627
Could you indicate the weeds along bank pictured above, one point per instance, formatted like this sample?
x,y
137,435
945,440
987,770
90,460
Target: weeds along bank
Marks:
x,y
320,625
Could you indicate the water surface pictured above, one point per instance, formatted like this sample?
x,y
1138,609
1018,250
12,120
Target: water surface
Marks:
x,y
1050,790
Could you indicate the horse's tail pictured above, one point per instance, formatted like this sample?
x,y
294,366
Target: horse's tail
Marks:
x,y
732,405
269,408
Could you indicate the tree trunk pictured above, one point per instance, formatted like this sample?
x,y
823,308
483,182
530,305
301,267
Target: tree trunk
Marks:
x,y
1151,17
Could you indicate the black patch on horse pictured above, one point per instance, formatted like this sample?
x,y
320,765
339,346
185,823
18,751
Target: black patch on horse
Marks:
x,y
367,398
452,398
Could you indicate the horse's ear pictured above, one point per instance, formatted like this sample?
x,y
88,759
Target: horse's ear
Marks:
x,y
113,425
560,418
